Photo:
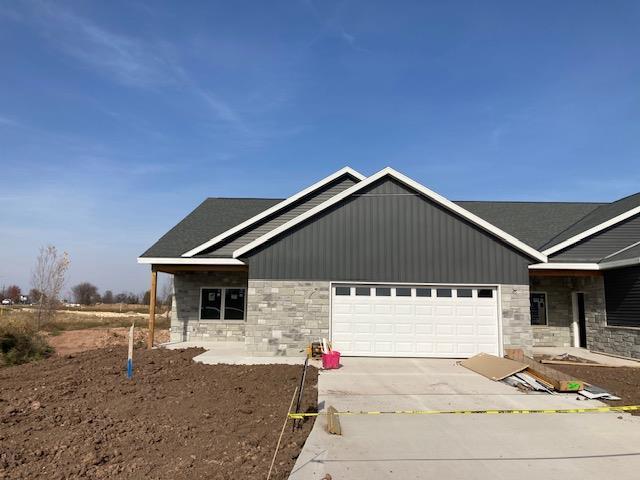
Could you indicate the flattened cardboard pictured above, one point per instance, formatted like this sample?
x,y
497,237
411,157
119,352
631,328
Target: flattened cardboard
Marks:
x,y
494,368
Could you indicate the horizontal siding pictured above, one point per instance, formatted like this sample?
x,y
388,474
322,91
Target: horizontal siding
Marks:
x,y
622,292
604,243
389,233
265,226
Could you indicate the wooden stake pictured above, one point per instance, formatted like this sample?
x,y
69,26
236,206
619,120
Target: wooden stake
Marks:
x,y
284,425
333,422
152,307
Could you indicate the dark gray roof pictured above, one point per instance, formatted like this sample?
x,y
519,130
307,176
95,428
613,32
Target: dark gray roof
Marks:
x,y
600,215
210,218
534,223
539,224
633,252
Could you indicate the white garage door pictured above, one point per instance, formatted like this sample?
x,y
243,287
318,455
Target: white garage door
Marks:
x,y
414,321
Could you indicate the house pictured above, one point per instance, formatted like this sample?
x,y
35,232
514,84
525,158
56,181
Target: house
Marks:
x,y
383,266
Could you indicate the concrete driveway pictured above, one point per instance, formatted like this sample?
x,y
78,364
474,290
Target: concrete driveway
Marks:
x,y
567,446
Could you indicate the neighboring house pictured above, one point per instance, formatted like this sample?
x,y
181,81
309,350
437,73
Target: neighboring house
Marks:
x,y
383,266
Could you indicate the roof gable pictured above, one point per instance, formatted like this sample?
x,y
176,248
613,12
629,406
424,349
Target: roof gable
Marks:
x,y
211,217
221,236
599,219
406,181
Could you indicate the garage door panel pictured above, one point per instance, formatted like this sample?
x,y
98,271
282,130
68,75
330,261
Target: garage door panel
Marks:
x,y
424,310
424,329
415,326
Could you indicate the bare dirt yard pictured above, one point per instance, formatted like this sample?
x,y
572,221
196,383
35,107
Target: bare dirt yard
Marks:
x,y
79,417
75,341
621,381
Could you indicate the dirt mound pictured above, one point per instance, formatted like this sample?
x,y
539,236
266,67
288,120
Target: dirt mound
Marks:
x,y
79,417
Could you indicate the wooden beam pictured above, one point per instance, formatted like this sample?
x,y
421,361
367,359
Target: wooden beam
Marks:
x,y
152,307
199,268
565,273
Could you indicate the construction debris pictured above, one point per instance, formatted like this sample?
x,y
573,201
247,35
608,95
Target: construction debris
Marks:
x,y
561,382
494,368
529,375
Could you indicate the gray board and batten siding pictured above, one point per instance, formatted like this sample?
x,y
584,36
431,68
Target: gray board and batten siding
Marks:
x,y
598,246
389,233
622,294
228,246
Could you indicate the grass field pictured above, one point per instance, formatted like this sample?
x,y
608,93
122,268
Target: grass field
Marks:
x,y
82,318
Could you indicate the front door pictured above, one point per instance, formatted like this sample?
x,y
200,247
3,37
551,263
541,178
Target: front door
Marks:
x,y
582,322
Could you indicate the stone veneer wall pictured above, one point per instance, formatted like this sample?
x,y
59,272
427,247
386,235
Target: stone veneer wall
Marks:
x,y
185,312
623,341
558,332
284,315
516,317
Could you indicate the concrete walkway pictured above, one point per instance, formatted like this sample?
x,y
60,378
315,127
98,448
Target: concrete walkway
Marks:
x,y
568,446
232,353
587,355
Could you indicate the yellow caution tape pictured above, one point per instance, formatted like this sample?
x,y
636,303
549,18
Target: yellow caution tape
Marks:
x,y
625,408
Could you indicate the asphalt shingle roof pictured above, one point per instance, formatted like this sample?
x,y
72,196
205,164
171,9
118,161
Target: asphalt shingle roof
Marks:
x,y
600,215
534,223
210,218
539,224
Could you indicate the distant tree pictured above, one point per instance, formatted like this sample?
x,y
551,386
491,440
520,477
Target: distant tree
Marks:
x,y
127,297
107,297
13,293
47,280
85,293
166,294
120,298
146,297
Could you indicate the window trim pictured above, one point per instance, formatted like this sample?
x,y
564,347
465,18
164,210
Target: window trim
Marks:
x,y
222,304
546,308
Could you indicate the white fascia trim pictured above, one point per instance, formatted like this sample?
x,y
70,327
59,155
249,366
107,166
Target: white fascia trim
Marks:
x,y
620,263
622,250
564,266
591,231
411,183
273,209
190,261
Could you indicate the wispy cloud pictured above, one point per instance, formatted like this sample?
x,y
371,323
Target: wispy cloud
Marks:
x,y
9,122
130,61
332,25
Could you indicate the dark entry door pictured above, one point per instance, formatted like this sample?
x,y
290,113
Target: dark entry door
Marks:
x,y
582,323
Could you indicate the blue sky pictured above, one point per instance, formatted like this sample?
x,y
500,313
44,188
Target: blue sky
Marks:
x,y
118,118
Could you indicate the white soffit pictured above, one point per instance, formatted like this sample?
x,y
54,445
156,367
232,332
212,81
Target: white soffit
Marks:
x,y
189,261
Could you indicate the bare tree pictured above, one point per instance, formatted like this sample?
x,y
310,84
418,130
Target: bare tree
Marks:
x,y
85,293
107,297
47,279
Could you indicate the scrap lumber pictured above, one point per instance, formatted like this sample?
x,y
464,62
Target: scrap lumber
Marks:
x,y
578,364
492,367
560,381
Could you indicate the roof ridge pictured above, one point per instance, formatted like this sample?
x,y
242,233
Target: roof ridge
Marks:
x,y
243,198
600,204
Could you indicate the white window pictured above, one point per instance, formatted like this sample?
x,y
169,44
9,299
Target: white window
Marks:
x,y
219,303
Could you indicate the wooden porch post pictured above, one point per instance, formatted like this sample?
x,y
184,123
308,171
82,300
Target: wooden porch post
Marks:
x,y
152,306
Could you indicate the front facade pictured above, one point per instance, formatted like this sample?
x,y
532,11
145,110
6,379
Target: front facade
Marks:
x,y
383,266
